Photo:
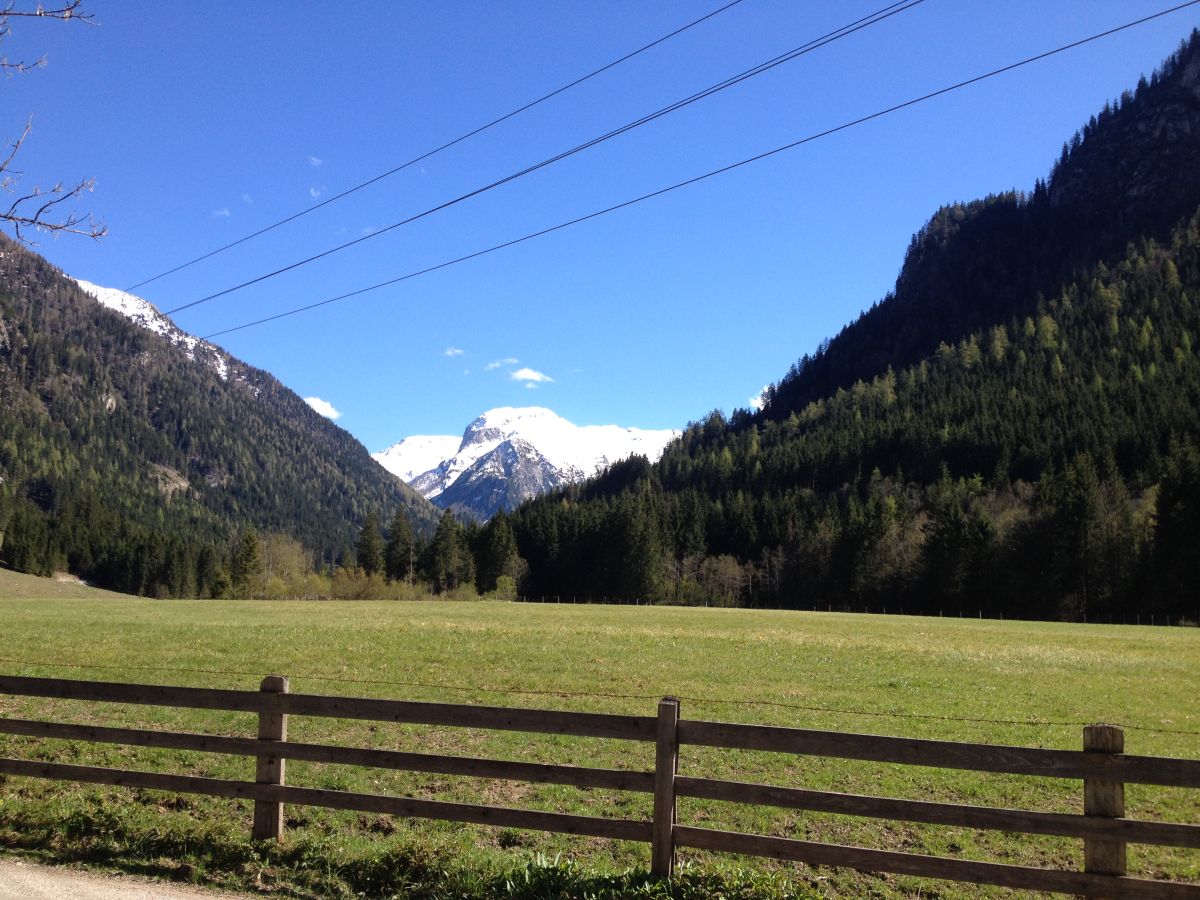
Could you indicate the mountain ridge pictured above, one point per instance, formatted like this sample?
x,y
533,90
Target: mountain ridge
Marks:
x,y
128,451
1014,429
509,454
1129,173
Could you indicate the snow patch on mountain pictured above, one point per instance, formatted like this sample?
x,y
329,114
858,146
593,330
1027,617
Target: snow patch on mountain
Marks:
x,y
145,314
417,454
510,454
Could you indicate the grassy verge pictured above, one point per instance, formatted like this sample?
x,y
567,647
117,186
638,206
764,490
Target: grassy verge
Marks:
x,y
917,678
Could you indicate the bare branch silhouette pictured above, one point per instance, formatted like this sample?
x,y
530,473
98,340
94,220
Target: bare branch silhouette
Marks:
x,y
37,209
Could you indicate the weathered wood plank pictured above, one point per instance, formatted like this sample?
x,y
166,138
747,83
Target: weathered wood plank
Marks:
x,y
499,718
666,765
1020,877
270,767
1015,820
562,823
578,724
1105,800
144,694
534,773
944,754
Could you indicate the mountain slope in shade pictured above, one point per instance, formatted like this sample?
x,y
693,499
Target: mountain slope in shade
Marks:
x,y
117,425
1131,173
510,454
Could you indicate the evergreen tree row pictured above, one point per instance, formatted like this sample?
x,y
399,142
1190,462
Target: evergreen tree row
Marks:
x,y
1046,466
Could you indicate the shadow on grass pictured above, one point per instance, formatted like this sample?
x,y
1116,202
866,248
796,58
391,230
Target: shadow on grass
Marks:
x,y
111,837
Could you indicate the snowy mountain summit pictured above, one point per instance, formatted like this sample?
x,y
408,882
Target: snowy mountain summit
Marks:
x,y
144,313
510,454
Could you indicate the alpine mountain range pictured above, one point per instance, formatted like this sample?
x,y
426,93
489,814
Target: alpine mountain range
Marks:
x,y
504,457
509,455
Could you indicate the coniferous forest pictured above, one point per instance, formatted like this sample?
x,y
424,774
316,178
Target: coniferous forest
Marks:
x,y
1014,430
137,468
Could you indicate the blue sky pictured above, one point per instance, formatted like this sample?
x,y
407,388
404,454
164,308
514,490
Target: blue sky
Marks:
x,y
203,122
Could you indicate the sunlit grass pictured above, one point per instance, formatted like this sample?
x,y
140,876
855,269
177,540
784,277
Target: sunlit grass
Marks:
x,y
915,677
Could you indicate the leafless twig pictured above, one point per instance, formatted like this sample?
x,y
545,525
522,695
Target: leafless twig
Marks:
x,y
36,210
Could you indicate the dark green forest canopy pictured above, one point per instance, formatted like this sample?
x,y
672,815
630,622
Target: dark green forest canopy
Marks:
x,y
133,464
1131,173
1013,430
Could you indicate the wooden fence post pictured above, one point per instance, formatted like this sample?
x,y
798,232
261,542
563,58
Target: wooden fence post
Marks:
x,y
666,764
272,726
1104,798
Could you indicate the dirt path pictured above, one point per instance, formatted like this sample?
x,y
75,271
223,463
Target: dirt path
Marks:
x,y
20,880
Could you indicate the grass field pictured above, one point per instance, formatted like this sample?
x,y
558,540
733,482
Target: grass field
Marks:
x,y
881,674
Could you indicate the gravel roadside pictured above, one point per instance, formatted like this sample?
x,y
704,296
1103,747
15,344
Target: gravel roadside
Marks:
x,y
21,880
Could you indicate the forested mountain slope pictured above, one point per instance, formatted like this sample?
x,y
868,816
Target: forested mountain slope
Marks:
x,y
134,464
1132,172
1015,430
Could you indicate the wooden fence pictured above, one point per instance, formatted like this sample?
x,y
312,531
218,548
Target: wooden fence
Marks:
x,y
1101,765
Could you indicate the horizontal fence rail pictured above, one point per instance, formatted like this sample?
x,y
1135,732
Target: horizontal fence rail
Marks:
x,y
1102,766
945,754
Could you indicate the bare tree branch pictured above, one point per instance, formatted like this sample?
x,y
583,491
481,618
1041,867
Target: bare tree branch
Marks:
x,y
69,10
38,209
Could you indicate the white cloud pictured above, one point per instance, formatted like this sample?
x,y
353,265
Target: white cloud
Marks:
x,y
315,161
247,199
316,192
497,363
452,351
530,376
531,386
324,407
222,213
756,402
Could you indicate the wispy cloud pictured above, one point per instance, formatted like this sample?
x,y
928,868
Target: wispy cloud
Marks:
x,y
222,213
497,363
453,351
247,199
531,377
315,161
316,192
324,407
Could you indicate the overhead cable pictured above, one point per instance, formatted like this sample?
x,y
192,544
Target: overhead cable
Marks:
x,y
713,173
446,146
808,47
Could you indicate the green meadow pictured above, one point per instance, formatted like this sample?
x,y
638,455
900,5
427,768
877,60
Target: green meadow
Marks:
x,y
1033,683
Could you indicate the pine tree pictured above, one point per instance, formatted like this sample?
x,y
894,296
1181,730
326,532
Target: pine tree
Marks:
x,y
370,546
399,554
449,561
245,565
498,556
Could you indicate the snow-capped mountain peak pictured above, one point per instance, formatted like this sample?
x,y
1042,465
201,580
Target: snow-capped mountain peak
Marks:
x,y
509,454
417,454
145,314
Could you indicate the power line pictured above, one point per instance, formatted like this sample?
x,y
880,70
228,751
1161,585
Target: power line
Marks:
x,y
814,44
711,174
445,146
